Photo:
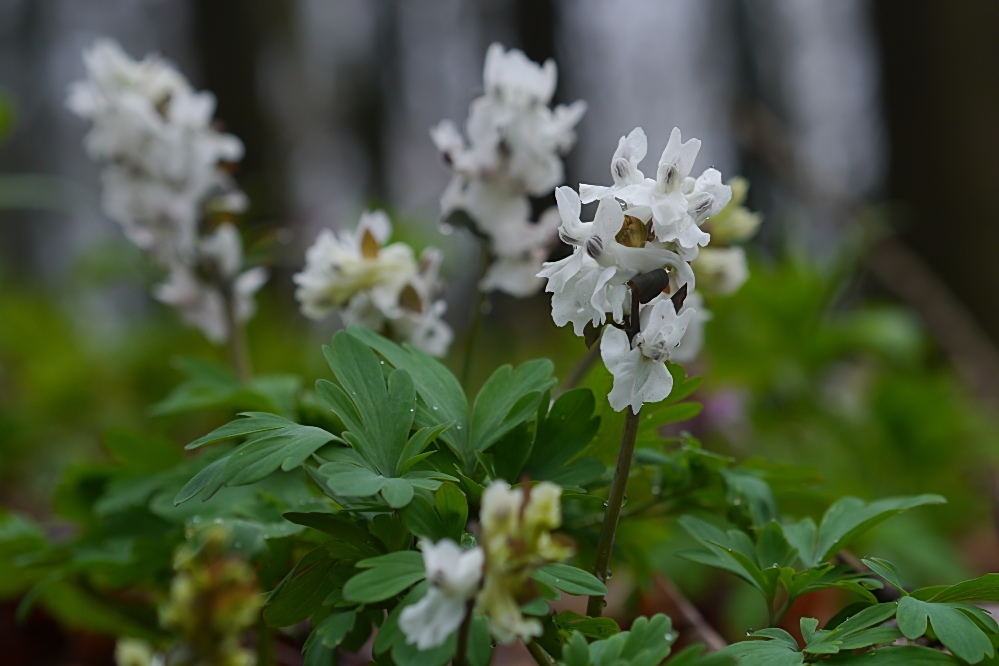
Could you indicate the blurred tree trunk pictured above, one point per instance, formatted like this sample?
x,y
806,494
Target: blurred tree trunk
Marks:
x,y
230,36
941,93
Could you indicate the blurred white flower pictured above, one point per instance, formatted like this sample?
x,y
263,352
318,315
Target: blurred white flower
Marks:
x,y
162,176
376,285
721,270
198,293
693,338
136,652
454,577
514,148
638,367
154,133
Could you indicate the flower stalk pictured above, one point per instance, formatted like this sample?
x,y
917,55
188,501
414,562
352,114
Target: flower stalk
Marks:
x,y
539,654
239,353
615,501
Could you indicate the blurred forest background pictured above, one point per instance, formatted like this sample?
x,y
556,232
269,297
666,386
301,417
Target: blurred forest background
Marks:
x,y
863,346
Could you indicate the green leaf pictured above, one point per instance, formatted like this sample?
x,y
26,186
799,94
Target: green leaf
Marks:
x,y
508,398
480,645
850,517
956,631
801,537
386,576
303,595
453,509
886,570
569,579
397,492
779,636
251,423
385,409
356,539
334,629
285,448
416,444
592,627
985,588
389,633
210,479
764,653
907,655
421,519
746,488
442,399
349,480
562,433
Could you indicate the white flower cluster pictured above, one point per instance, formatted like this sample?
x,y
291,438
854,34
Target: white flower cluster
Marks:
x,y
641,225
376,285
514,148
162,176
516,540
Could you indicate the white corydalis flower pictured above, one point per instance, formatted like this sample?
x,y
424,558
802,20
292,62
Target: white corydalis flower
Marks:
x,y
591,284
154,134
679,204
376,285
693,338
638,367
340,266
200,301
721,270
513,151
454,577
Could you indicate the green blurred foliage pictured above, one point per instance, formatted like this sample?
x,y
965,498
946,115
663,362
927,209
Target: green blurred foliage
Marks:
x,y
800,372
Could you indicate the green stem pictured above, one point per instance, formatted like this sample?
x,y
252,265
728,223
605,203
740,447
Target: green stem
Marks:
x,y
476,323
265,644
239,354
595,605
461,651
539,654
594,608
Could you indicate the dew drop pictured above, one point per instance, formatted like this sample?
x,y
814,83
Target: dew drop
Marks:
x,y
668,636
610,574
412,410
606,504
382,362
436,408
196,520
459,427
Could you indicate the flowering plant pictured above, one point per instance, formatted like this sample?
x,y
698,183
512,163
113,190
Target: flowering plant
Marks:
x,y
390,510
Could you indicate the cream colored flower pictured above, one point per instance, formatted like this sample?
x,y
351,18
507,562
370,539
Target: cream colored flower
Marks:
x,y
517,539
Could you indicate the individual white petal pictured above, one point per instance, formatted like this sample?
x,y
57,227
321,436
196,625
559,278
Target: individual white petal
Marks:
x,y
608,219
245,288
430,621
614,346
630,152
377,223
224,248
710,195
638,380
676,162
